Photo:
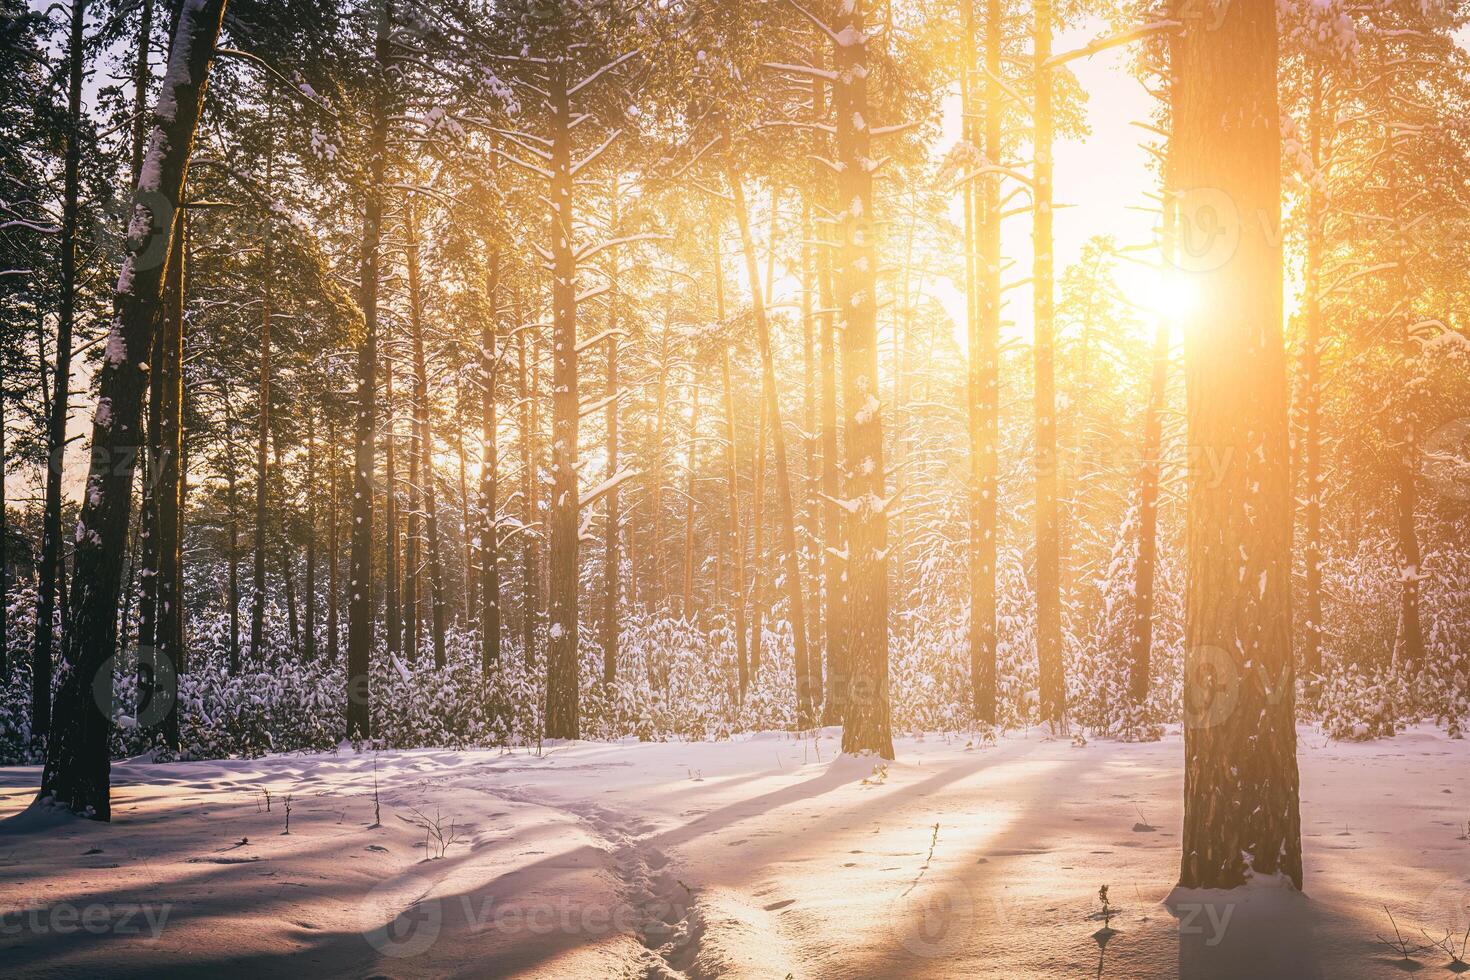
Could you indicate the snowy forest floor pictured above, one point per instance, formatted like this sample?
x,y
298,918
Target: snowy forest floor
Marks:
x,y
764,857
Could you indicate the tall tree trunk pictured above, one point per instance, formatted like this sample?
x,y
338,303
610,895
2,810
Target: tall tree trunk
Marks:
x,y
562,697
985,505
795,595
527,392
688,604
4,551
735,539
466,613
51,562
757,600
660,426
263,430
1141,652
1141,642
285,556
489,473
1048,516
334,650
612,572
169,490
1241,810
811,517
360,575
413,538
232,504
77,770
425,432
1311,657
393,576
309,634
866,721
834,527
141,72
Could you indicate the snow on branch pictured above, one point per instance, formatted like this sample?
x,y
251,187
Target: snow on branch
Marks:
x,y
591,342
1103,43
600,72
890,130
577,167
606,486
820,24
587,251
822,73
539,171
296,91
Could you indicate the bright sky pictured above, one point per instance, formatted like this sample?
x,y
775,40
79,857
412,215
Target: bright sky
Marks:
x,y
1100,181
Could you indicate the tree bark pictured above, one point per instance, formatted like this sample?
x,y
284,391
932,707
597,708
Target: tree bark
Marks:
x,y
308,650
77,770
612,571
867,725
1311,658
1048,515
360,576
1241,811
530,559
795,595
425,435
263,430
562,695
51,561
169,489
735,541
489,474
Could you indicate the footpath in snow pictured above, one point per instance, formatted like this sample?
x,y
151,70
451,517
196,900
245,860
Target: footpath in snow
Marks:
x,y
764,857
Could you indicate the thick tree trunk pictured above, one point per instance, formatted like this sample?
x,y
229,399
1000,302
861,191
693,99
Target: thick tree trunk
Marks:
x,y
1241,811
360,575
866,722
562,707
77,769
1048,515
425,435
795,595
51,562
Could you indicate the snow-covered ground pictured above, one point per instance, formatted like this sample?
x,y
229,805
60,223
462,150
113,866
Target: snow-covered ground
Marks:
x,y
764,857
